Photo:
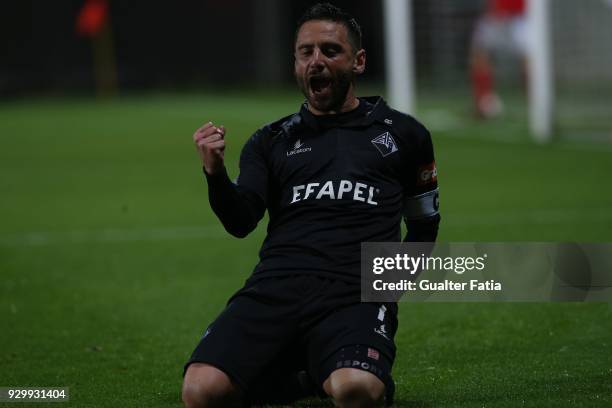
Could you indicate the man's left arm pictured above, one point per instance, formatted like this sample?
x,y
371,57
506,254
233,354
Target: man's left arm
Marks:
x,y
421,200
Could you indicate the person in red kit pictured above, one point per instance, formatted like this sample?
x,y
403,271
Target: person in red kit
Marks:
x,y
501,29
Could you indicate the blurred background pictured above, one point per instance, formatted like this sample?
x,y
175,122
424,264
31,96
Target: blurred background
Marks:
x,y
112,263
194,45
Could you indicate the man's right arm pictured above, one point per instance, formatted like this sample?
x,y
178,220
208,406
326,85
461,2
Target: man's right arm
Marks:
x,y
239,209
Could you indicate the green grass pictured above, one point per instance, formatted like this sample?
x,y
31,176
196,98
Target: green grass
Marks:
x,y
112,263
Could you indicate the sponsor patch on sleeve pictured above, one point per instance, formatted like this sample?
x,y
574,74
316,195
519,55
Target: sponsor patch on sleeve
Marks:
x,y
427,174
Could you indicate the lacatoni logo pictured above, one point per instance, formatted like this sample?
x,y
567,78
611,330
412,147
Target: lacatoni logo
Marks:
x,y
335,191
298,148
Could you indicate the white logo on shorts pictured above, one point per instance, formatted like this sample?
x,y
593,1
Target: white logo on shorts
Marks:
x,y
382,331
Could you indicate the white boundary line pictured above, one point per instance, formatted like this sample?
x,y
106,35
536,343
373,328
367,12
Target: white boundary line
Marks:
x,y
111,235
442,120
539,217
450,220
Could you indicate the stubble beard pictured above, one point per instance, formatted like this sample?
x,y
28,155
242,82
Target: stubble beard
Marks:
x,y
339,91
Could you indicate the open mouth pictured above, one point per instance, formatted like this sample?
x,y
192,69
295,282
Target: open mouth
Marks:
x,y
320,84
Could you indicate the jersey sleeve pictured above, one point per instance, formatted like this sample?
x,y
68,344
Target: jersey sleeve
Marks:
x,y
421,196
241,205
253,177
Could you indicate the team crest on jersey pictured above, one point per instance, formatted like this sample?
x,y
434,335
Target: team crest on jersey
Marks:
x,y
298,147
385,144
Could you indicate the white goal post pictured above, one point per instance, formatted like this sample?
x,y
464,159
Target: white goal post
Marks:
x,y
399,54
400,65
540,70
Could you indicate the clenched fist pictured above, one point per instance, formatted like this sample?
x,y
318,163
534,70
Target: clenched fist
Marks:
x,y
210,144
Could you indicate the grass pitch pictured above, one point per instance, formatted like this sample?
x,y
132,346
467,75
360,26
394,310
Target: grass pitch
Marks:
x,y
112,263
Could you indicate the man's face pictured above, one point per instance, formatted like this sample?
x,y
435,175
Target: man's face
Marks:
x,y
326,64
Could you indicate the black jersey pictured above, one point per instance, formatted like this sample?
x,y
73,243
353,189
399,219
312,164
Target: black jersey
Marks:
x,y
330,183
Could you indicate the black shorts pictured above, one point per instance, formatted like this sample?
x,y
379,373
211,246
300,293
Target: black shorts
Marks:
x,y
276,326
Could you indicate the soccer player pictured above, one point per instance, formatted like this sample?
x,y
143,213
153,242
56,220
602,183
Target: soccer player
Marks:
x,y
341,171
501,29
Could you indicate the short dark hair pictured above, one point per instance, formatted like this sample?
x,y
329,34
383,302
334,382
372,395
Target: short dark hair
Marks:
x,y
329,12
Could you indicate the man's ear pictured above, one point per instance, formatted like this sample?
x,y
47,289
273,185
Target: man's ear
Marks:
x,y
360,62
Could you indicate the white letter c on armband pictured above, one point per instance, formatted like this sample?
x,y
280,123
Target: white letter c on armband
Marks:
x,y
421,206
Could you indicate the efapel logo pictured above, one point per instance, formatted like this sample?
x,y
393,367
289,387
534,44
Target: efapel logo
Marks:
x,y
427,174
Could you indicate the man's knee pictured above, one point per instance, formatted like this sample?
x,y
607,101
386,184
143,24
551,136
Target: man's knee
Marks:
x,y
351,387
207,386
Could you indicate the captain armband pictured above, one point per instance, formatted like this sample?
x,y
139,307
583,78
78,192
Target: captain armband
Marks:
x,y
421,206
